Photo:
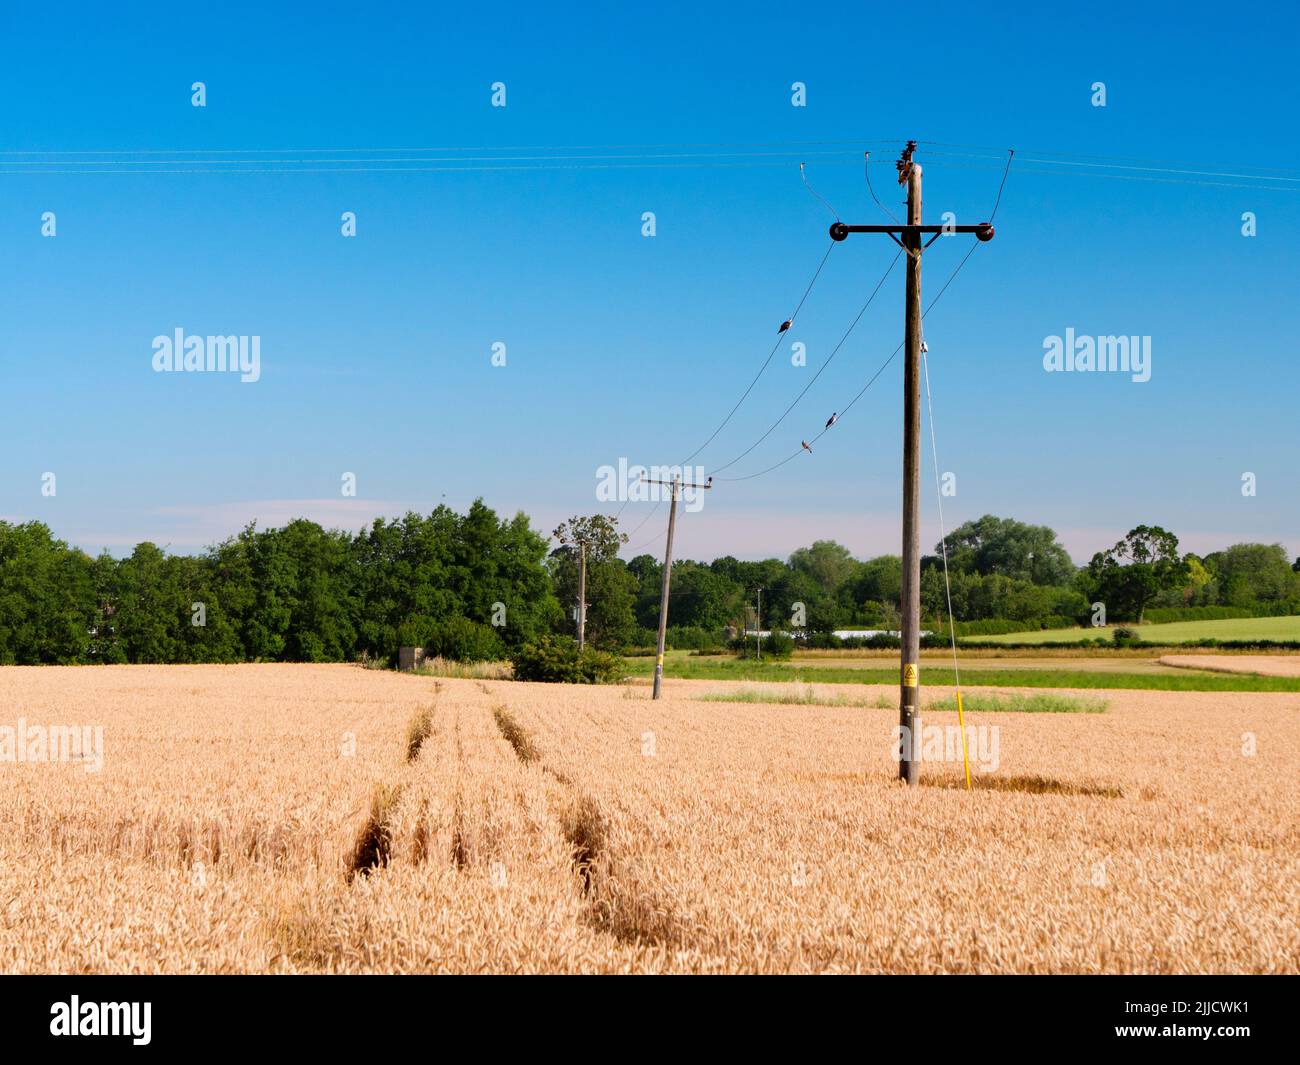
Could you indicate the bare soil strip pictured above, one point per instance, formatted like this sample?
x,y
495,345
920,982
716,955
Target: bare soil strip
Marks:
x,y
1263,665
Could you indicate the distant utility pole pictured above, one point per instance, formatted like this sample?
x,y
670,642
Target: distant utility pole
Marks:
x,y
676,485
909,174
758,625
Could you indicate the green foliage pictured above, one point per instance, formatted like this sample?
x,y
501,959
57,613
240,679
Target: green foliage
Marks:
x,y
689,668
1128,576
824,641
47,597
879,580
701,599
557,659
474,584
775,645
1035,703
1250,574
462,640
975,596
692,638
829,564
1004,547
999,626
1161,615
1125,637
298,593
611,589
416,569
795,694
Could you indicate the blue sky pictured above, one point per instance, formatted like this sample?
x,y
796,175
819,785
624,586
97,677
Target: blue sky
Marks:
x,y
376,349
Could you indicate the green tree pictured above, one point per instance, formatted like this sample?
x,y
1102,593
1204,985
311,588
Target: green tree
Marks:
x,y
701,597
829,564
47,597
1008,548
611,589
1128,576
149,606
1250,574
877,584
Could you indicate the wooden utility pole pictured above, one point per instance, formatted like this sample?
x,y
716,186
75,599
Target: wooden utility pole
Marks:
x,y
909,238
758,625
582,595
676,486
910,682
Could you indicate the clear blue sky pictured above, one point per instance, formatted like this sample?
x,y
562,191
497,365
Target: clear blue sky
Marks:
x,y
376,349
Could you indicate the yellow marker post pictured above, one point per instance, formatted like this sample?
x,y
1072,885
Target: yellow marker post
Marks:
x,y
961,723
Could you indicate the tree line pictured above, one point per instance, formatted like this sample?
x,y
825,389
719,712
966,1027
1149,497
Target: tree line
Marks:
x,y
476,585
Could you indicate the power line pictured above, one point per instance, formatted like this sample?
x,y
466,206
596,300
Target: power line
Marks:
x,y
1063,157
870,381
1146,177
639,156
40,157
1011,153
744,395
894,354
648,516
866,171
444,148
532,168
804,178
834,351
943,545
943,531
762,369
33,163
1127,166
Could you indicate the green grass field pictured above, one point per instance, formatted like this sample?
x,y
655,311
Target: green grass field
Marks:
x,y
1284,628
683,666
806,695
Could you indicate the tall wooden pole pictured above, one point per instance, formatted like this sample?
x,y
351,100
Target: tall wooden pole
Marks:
x,y
663,594
582,594
909,764
909,237
676,485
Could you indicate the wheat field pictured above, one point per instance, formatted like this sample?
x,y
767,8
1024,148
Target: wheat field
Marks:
x,y
297,818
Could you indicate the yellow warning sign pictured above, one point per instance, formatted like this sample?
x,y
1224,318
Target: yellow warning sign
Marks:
x,y
909,674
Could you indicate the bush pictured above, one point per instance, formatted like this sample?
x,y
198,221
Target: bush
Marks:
x,y
1002,626
462,640
824,641
691,638
882,641
779,645
414,632
558,660
775,645
1159,615
1125,637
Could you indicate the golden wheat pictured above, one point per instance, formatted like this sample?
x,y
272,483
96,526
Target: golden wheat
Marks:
x,y
334,819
